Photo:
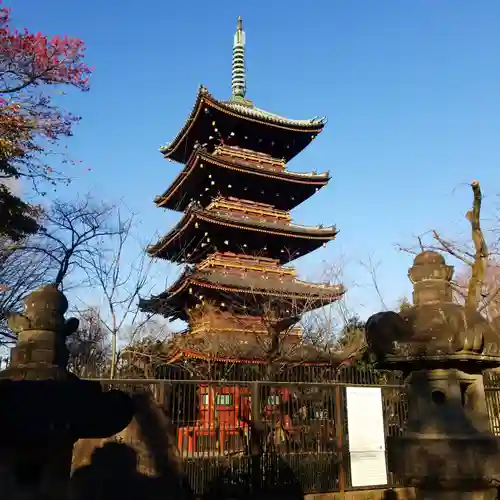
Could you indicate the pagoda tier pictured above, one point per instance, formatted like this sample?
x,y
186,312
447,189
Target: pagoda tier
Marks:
x,y
241,173
239,122
238,226
241,348
223,323
242,285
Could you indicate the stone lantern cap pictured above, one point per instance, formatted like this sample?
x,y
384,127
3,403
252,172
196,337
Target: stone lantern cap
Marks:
x,y
44,310
42,330
435,329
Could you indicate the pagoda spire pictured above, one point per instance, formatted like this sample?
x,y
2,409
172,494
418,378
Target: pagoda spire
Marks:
x,y
238,80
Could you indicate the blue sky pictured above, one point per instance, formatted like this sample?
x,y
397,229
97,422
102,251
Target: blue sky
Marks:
x,y
410,88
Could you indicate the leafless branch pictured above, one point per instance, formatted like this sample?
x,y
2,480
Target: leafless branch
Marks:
x,y
20,272
89,347
73,233
477,294
121,282
372,268
451,249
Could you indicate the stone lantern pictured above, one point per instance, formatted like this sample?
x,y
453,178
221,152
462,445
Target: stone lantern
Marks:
x,y
447,451
45,408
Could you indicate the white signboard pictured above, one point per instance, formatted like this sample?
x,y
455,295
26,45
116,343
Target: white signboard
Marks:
x,y
365,424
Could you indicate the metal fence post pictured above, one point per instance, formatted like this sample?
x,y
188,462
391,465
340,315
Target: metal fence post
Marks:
x,y
161,394
256,429
340,437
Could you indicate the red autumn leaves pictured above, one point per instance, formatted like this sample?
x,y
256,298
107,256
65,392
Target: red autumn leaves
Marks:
x,y
31,59
29,120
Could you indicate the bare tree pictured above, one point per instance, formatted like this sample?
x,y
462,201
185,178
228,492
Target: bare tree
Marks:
x,y
477,293
21,271
149,328
139,358
490,297
121,281
89,349
73,234
372,268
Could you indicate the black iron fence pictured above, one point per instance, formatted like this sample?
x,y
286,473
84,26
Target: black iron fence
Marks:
x,y
294,434
141,367
491,380
234,431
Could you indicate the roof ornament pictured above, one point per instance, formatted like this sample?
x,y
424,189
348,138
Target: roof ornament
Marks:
x,y
238,80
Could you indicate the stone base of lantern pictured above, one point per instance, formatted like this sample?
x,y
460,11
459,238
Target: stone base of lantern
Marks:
x,y
38,469
447,467
487,494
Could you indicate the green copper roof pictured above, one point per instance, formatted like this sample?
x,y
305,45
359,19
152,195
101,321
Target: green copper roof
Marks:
x,y
238,80
238,83
251,110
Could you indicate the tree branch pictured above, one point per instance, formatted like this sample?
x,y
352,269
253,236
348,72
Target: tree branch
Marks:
x,y
476,281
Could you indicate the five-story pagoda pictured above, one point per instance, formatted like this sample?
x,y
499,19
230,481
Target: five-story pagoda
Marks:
x,y
236,232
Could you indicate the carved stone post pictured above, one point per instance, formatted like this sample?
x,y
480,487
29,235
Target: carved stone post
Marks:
x,y
447,451
45,408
